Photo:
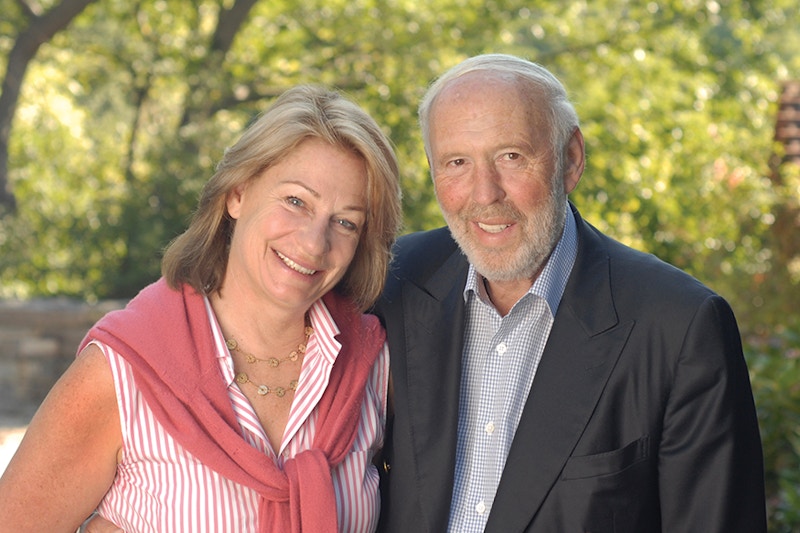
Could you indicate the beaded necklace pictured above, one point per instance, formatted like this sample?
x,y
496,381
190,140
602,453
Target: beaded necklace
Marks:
x,y
273,362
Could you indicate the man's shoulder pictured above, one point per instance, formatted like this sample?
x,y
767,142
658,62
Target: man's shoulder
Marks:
x,y
429,247
424,239
647,277
418,255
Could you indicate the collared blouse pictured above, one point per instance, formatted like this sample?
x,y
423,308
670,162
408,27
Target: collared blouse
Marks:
x,y
160,487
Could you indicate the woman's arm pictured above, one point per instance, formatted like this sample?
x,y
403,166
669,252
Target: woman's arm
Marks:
x,y
98,524
67,460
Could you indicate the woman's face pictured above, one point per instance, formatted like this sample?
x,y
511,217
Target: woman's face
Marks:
x,y
297,225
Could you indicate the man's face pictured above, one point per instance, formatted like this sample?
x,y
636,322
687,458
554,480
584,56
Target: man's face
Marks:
x,y
496,177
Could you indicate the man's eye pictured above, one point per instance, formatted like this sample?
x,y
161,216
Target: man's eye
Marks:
x,y
512,156
457,162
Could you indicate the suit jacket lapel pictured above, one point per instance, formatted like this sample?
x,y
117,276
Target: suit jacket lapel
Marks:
x,y
583,347
434,318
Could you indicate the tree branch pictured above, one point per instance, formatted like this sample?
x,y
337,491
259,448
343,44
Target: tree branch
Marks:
x,y
40,30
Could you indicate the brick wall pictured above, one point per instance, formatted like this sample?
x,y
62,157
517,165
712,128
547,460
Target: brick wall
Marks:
x,y
38,340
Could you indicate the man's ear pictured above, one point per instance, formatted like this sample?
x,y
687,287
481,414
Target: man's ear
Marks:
x,y
575,161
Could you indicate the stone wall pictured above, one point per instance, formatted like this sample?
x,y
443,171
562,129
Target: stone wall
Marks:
x,y
38,340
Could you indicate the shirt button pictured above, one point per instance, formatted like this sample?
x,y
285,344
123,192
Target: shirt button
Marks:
x,y
480,508
489,427
502,348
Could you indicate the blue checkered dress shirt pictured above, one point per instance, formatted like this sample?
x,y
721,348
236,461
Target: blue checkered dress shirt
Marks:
x,y
499,363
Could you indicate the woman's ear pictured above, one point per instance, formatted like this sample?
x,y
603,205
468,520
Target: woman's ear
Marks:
x,y
234,200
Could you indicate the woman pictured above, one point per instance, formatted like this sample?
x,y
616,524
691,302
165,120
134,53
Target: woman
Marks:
x,y
245,390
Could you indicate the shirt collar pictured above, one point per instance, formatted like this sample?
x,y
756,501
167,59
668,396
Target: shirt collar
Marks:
x,y
550,284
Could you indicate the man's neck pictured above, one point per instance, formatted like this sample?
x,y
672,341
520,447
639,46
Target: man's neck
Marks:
x,y
504,294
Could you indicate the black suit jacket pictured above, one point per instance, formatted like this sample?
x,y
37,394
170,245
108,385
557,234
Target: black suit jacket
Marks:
x,y
640,418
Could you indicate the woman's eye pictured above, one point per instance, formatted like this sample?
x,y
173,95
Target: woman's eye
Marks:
x,y
346,224
294,200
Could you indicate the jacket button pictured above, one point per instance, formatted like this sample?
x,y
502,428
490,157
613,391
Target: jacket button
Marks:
x,y
386,466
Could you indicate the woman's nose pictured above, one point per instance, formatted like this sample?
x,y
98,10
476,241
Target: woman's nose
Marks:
x,y
315,237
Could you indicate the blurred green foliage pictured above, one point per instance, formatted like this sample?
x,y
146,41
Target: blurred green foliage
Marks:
x,y
774,364
124,115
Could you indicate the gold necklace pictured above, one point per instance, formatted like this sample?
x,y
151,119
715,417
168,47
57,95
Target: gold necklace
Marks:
x,y
263,390
294,355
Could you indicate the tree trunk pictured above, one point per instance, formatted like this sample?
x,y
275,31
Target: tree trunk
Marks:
x,y
40,30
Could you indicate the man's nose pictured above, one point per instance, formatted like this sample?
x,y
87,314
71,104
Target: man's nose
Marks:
x,y
487,186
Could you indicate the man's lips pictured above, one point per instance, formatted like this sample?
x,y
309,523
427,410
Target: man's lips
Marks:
x,y
492,228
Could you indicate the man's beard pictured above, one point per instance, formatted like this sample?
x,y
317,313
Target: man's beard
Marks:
x,y
524,260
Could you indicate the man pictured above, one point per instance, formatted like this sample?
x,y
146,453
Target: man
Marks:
x,y
547,378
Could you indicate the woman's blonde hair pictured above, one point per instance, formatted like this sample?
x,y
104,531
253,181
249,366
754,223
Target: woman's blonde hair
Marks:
x,y
199,256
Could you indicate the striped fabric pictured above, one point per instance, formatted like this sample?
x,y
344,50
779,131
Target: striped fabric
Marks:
x,y
162,488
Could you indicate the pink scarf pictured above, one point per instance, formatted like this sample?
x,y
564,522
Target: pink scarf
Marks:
x,y
166,337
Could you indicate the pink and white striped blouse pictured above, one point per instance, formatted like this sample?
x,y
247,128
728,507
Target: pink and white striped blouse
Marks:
x,y
161,488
